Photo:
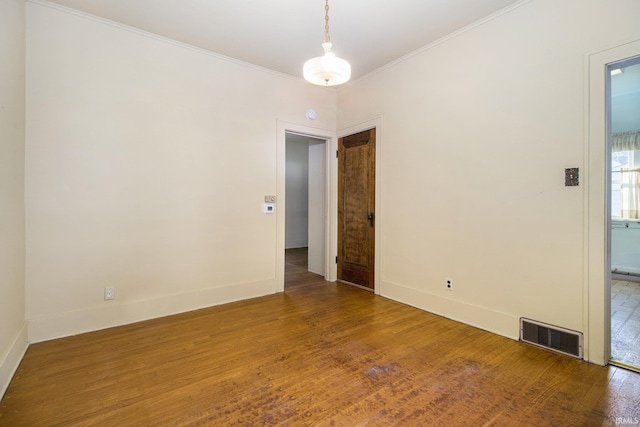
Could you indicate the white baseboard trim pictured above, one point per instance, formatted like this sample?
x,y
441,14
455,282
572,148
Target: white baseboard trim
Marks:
x,y
493,321
12,358
114,313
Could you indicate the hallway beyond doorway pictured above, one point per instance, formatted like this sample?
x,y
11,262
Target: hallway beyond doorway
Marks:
x,y
625,322
296,269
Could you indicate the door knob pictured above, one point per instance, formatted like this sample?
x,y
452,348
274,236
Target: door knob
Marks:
x,y
370,218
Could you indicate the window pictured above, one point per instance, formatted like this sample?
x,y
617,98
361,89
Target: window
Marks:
x,y
619,160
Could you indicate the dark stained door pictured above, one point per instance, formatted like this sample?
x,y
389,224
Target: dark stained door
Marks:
x,y
356,208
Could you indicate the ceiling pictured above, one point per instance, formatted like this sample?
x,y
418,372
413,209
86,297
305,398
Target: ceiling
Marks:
x,y
281,35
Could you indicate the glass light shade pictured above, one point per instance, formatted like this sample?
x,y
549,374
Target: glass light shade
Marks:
x,y
327,70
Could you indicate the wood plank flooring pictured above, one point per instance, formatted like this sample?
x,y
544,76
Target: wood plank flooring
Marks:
x,y
324,354
296,271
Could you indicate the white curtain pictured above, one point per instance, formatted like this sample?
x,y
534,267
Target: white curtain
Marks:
x,y
630,191
625,141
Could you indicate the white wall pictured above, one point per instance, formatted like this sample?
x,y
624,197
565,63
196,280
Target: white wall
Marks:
x,y
317,206
625,248
478,130
13,337
147,166
297,191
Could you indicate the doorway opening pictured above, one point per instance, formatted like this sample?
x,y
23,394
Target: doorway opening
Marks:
x,y
623,119
305,210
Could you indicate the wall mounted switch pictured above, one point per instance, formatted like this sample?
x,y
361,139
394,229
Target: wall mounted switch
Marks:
x,y
571,177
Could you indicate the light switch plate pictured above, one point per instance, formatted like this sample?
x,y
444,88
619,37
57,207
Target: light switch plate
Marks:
x,y
571,177
269,199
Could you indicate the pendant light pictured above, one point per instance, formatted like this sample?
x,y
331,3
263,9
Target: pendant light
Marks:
x,y
327,70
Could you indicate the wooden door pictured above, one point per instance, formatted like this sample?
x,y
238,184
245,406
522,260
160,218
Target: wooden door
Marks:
x,y
356,208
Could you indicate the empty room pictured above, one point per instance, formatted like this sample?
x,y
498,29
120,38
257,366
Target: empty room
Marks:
x,y
318,212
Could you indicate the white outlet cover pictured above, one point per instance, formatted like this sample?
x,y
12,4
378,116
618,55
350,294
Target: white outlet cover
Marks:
x,y
269,208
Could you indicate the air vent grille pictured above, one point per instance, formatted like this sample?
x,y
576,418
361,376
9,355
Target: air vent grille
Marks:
x,y
551,337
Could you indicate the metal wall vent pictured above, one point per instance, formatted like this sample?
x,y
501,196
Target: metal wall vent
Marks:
x,y
551,337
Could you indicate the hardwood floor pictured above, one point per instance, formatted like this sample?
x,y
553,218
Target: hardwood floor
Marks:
x,y
322,354
296,271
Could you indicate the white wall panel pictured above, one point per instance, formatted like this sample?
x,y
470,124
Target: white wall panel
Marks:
x,y
147,166
13,337
478,131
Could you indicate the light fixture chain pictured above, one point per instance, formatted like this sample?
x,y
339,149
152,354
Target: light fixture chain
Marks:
x,y
326,20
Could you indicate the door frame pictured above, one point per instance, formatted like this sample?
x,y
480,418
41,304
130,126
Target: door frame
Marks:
x,y
331,185
331,206
376,123
597,231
